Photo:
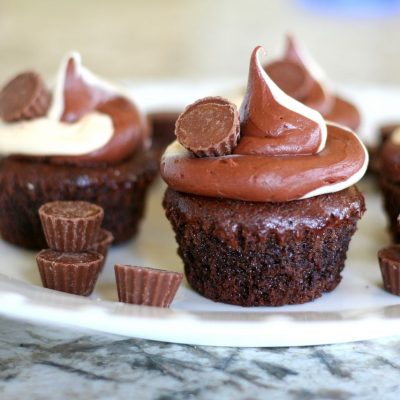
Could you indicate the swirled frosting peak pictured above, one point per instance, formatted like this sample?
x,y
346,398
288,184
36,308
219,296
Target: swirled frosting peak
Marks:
x,y
285,151
89,121
316,93
79,92
273,123
297,73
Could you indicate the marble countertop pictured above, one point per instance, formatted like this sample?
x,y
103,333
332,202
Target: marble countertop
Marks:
x,y
36,361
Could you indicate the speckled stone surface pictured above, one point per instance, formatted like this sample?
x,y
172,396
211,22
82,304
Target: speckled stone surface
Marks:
x,y
40,362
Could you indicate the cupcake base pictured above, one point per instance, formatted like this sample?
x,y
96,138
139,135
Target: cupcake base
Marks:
x,y
391,201
120,189
264,254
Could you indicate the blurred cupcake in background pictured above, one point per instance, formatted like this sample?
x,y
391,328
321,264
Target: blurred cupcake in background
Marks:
x,y
87,140
389,180
299,76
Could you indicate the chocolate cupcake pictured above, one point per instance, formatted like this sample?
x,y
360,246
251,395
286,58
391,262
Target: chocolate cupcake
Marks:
x,y
269,224
298,75
383,134
91,144
389,181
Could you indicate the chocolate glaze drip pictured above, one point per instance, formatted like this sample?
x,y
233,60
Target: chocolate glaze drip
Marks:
x,y
131,131
313,92
269,174
271,128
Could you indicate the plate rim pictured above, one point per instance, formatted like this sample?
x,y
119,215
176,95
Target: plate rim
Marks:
x,y
34,303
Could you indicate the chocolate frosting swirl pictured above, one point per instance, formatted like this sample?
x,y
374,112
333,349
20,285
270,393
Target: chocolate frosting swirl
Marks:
x,y
89,121
273,123
320,158
81,95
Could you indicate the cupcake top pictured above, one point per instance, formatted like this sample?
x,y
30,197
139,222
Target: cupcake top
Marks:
x,y
390,156
299,76
286,150
85,120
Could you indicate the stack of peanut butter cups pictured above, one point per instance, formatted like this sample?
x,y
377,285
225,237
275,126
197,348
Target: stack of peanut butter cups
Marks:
x,y
77,246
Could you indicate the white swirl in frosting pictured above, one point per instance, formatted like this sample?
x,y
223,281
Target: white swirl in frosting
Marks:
x,y
48,135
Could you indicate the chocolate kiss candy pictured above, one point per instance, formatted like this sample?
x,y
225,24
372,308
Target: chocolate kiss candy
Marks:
x,y
24,97
290,77
209,127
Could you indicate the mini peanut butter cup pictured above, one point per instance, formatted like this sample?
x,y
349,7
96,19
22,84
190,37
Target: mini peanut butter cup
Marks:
x,y
71,226
24,97
389,262
74,273
290,77
102,242
146,286
209,127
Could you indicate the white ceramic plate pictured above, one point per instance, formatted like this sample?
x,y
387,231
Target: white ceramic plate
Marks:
x,y
358,309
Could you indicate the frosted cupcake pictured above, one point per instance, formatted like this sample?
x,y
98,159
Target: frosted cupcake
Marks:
x,y
266,221
89,142
389,180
